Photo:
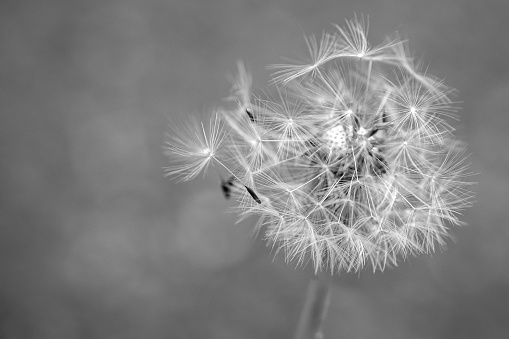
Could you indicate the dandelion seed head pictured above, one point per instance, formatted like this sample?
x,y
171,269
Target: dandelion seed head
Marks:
x,y
350,163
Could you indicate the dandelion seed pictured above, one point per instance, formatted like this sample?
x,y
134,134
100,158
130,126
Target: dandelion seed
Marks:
x,y
226,187
191,147
352,162
253,194
319,54
249,113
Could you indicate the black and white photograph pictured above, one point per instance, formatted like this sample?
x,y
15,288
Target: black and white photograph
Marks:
x,y
240,169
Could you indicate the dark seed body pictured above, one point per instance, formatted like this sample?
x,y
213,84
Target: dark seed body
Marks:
x,y
226,187
249,112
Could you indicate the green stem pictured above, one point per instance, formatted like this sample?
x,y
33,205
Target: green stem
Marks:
x,y
315,308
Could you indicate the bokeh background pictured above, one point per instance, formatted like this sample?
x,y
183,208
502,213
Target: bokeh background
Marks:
x,y
95,243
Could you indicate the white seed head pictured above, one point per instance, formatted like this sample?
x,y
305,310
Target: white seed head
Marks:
x,y
353,163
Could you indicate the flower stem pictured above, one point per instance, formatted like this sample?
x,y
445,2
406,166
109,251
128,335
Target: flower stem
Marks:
x,y
315,308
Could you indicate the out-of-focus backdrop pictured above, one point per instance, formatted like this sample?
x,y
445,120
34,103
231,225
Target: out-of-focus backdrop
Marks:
x,y
95,243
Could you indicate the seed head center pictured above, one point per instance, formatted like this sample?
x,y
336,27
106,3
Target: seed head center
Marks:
x,y
336,137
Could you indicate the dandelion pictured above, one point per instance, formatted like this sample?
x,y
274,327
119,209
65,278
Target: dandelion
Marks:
x,y
349,160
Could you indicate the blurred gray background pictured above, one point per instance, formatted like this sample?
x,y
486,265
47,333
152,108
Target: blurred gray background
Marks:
x,y
95,243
